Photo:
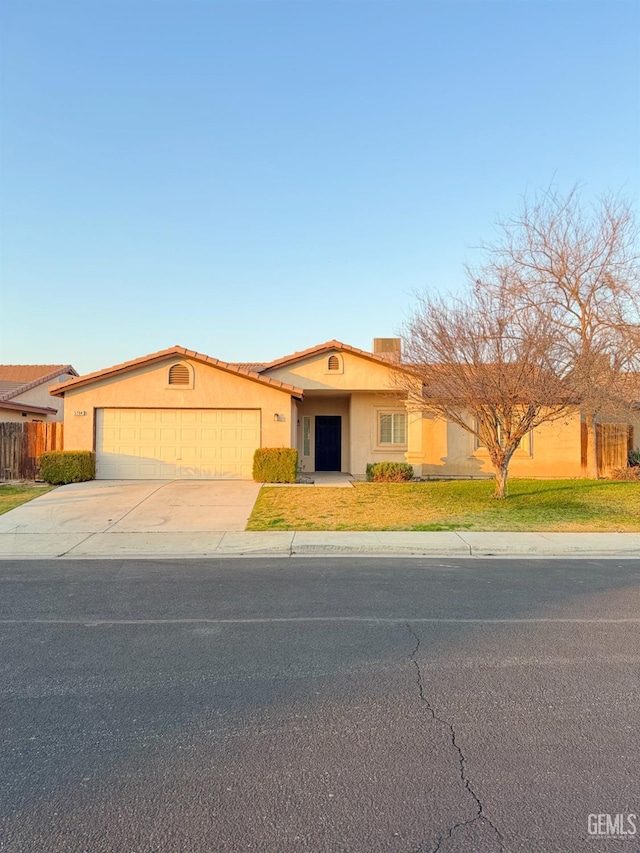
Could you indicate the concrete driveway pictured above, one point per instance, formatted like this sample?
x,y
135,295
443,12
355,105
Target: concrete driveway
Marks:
x,y
95,512
137,506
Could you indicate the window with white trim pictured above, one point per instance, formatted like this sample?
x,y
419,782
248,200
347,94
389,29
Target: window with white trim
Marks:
x,y
477,443
392,428
525,447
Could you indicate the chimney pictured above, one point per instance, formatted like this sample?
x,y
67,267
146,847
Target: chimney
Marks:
x,y
388,348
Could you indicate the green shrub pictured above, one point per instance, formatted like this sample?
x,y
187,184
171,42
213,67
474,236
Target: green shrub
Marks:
x,y
389,472
275,465
67,466
634,457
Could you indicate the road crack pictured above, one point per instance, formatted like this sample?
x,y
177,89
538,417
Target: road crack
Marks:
x,y
480,816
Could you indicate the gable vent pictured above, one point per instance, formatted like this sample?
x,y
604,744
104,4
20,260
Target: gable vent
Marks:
x,y
333,363
179,375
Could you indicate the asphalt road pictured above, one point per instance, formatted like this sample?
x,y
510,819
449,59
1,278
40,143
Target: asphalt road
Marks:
x,y
356,705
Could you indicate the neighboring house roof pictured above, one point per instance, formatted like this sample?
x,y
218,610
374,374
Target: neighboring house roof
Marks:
x,y
16,379
161,355
631,382
17,406
328,346
6,387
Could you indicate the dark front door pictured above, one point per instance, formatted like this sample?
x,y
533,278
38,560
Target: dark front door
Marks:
x,y
328,442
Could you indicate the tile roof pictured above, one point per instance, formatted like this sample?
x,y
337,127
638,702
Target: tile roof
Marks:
x,y
161,355
6,386
17,406
24,373
327,347
15,379
252,366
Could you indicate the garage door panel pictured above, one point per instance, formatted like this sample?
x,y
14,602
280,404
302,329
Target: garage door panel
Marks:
x,y
128,435
149,451
175,443
148,433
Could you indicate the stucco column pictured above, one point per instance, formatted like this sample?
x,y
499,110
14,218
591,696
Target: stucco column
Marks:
x,y
415,450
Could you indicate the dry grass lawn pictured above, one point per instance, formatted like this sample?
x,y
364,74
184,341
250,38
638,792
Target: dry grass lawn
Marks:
x,y
534,505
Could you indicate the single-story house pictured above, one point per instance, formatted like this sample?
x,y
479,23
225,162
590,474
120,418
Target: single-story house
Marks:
x,y
181,414
25,395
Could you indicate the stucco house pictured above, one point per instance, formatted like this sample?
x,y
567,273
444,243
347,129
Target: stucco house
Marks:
x,y
181,414
24,391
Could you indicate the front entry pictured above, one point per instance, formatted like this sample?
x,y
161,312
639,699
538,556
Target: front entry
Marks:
x,y
328,442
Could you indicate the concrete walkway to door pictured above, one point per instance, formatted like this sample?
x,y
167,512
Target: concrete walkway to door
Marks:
x,y
119,516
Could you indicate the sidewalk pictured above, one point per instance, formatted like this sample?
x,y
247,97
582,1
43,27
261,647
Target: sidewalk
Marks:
x,y
172,545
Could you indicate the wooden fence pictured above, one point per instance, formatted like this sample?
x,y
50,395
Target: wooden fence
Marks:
x,y
613,442
21,445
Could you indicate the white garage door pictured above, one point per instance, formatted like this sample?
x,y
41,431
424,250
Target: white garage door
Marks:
x,y
184,444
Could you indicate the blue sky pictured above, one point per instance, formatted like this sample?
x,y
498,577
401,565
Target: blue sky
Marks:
x,y
251,178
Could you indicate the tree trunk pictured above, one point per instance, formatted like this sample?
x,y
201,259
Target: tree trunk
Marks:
x,y
591,469
500,492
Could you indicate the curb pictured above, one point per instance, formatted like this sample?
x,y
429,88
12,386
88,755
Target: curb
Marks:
x,y
330,544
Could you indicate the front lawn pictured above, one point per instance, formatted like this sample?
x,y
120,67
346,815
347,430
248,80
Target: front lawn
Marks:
x,y
537,505
13,496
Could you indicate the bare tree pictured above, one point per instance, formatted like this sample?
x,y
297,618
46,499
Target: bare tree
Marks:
x,y
578,268
486,366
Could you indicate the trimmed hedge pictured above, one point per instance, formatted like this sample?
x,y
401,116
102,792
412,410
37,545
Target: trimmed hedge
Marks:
x,y
67,466
275,465
389,472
